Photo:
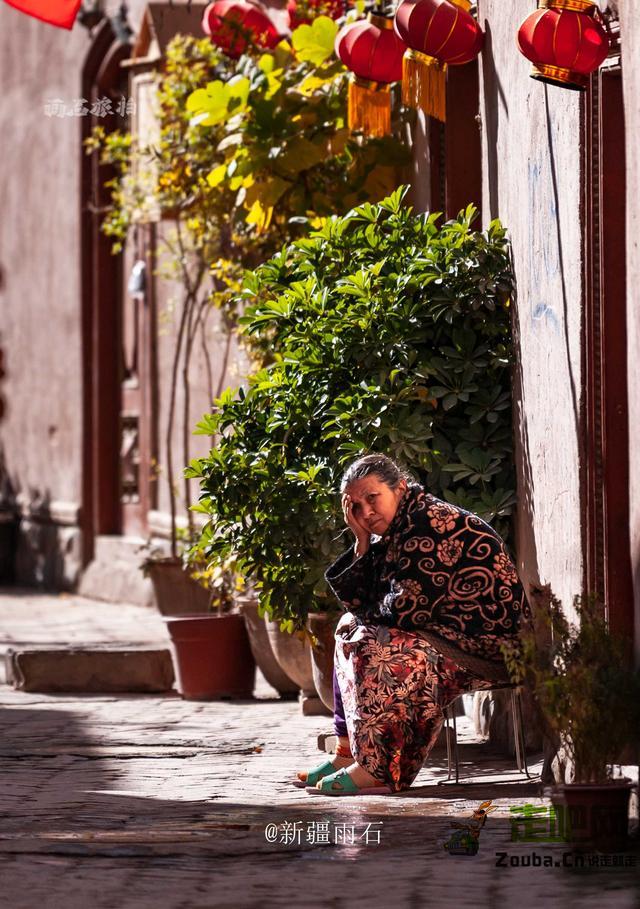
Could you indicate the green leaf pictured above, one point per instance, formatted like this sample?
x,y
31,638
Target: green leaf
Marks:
x,y
300,154
314,43
215,103
217,175
209,105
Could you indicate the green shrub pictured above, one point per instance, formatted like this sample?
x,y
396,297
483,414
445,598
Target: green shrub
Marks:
x,y
382,331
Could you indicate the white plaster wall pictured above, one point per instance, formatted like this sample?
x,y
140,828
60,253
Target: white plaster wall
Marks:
x,y
531,181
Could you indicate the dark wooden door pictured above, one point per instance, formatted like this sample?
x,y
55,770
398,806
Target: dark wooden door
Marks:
x,y
608,562
137,465
117,330
455,154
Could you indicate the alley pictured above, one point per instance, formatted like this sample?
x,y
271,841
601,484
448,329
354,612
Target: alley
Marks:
x,y
144,801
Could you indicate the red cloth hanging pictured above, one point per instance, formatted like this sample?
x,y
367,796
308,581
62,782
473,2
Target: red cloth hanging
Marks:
x,y
56,12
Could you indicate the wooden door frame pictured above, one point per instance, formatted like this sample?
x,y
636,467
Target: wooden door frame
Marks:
x,y
455,151
100,309
608,572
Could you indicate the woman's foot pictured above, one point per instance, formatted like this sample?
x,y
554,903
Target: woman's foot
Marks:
x,y
338,764
352,780
361,777
342,758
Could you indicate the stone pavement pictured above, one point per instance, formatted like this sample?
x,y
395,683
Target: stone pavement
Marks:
x,y
143,801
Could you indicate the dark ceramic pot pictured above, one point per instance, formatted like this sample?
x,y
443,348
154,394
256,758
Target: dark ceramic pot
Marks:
x,y
323,626
593,812
262,650
294,657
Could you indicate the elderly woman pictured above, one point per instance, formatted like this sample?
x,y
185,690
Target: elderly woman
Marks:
x,y
423,582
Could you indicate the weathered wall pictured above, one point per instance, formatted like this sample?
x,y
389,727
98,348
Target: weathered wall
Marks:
x,y
530,135
40,295
630,31
40,288
41,423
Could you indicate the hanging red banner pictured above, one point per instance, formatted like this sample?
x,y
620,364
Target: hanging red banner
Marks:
x,y
56,12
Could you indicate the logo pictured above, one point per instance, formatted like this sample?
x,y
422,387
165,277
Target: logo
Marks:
x,y
465,839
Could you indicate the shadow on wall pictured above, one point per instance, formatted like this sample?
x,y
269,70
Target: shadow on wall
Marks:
x,y
565,303
528,566
9,512
37,549
494,97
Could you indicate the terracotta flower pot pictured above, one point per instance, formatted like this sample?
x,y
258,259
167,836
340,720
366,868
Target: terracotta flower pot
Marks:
x,y
212,657
323,626
262,650
593,812
175,590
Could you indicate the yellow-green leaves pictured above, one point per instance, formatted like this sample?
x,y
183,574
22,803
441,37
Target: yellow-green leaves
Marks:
x,y
301,154
218,101
314,43
261,199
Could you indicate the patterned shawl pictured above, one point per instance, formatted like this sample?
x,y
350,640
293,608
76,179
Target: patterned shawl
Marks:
x,y
437,567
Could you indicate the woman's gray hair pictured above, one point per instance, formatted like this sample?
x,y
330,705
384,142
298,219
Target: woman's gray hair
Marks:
x,y
383,467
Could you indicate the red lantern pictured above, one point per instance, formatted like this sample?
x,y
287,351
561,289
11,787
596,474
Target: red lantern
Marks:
x,y
232,25
565,42
438,33
373,52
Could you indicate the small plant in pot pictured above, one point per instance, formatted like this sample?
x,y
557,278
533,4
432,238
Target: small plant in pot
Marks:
x,y
582,678
211,652
180,580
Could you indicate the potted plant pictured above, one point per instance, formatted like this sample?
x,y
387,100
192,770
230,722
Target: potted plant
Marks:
x,y
211,652
583,681
176,579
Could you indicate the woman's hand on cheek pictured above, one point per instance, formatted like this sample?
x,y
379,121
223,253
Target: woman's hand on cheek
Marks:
x,y
361,533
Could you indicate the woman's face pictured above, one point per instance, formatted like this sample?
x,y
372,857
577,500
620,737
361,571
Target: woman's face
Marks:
x,y
374,503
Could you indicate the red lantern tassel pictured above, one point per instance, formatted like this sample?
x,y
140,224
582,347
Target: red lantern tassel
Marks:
x,y
424,83
369,107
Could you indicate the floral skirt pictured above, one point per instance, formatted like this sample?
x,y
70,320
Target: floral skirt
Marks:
x,y
394,688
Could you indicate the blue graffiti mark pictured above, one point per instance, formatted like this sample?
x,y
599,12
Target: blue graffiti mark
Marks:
x,y
544,312
544,260
542,250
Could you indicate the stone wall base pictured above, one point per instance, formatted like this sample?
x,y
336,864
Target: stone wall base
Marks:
x,y
115,574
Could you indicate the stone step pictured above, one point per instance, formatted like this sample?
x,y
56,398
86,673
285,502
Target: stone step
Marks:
x,y
90,670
